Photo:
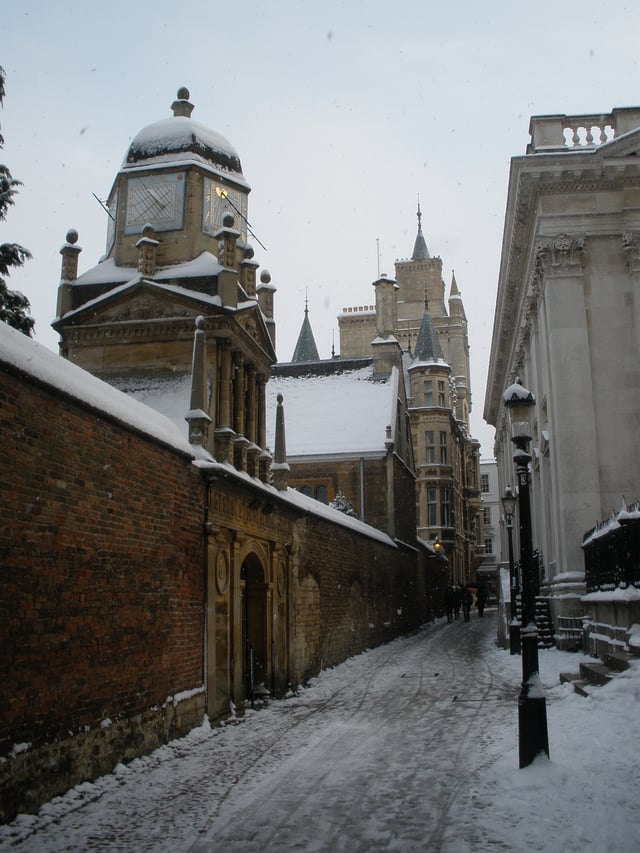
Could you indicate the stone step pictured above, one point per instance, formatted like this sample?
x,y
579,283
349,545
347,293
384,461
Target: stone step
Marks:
x,y
596,673
579,684
618,661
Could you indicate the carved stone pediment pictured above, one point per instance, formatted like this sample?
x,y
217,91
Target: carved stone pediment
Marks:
x,y
143,305
251,322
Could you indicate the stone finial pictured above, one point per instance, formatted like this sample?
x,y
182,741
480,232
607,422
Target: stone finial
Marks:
x,y
280,466
227,238
197,417
147,247
182,106
70,252
248,269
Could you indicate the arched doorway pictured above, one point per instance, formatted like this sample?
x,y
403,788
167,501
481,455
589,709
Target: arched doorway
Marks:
x,y
255,657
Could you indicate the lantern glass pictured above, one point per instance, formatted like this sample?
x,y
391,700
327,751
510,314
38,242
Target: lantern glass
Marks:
x,y
509,501
520,402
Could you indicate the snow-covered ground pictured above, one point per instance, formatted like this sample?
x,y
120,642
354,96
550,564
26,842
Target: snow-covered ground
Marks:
x,y
410,746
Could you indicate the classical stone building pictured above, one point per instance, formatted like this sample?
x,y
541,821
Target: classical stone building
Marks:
x,y
567,323
411,315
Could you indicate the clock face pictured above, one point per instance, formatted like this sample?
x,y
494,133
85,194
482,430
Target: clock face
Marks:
x,y
219,199
157,200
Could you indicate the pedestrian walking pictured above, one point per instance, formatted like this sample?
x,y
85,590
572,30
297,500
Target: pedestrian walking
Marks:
x,y
481,599
467,601
457,601
449,603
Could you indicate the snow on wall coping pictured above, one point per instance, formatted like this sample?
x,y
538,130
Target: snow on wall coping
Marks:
x,y
30,357
628,594
339,413
303,502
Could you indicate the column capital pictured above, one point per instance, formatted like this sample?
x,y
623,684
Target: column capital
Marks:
x,y
631,248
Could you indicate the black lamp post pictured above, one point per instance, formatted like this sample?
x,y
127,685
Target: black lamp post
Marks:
x,y
533,737
509,500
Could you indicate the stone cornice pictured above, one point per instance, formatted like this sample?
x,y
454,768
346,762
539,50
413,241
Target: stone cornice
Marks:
x,y
532,177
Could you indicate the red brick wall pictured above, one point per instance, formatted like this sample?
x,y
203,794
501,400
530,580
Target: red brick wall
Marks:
x,y
101,581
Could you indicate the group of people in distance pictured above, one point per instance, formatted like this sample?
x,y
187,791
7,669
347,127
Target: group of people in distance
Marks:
x,y
458,598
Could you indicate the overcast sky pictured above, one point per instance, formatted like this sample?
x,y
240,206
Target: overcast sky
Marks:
x,y
343,113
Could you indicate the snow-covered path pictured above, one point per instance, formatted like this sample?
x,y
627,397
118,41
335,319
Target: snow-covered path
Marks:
x,y
377,762
411,746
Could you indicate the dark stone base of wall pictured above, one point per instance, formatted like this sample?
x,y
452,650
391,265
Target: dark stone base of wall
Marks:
x,y
38,774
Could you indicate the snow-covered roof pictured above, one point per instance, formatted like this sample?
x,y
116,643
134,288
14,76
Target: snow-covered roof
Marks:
x,y
34,360
108,271
178,138
340,413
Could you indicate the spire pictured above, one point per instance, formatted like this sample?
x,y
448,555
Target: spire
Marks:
x,y
306,349
420,251
454,285
428,345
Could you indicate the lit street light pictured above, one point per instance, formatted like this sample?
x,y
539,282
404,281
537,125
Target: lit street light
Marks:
x,y
533,737
509,504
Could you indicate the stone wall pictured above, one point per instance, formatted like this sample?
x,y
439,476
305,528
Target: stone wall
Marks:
x,y
350,592
116,549
102,590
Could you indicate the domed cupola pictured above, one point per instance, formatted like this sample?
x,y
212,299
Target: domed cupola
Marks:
x,y
182,179
179,138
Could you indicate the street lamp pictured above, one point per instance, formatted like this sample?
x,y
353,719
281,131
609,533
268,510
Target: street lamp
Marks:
x,y
509,500
532,710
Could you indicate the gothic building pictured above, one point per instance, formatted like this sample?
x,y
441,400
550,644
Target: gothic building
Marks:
x,y
411,315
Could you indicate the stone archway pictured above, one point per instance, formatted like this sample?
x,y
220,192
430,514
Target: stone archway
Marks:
x,y
256,659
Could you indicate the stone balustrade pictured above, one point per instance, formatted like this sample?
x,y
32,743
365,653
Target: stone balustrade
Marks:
x,y
555,133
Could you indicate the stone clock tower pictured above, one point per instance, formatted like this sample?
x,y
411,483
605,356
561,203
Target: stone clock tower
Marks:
x,y
178,250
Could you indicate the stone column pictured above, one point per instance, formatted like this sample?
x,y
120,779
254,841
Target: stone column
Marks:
x,y
241,443
631,247
261,428
569,395
224,433
253,451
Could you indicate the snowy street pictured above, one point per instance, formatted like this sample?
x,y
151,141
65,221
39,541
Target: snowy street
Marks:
x,y
411,746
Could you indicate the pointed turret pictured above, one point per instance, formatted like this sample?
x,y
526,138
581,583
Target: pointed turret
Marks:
x,y
428,348
456,308
420,251
306,349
